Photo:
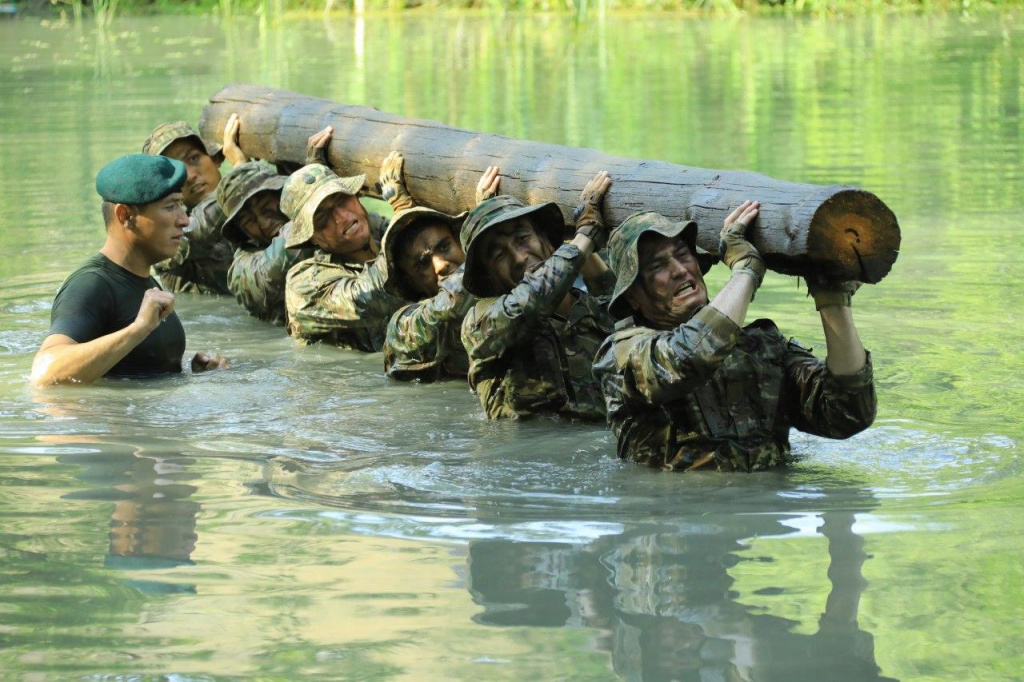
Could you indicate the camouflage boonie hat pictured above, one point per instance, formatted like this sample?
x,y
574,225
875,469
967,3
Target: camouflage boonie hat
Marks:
x,y
241,184
546,218
624,257
161,138
303,192
400,223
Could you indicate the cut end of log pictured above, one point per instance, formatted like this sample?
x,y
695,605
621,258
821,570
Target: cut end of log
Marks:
x,y
858,233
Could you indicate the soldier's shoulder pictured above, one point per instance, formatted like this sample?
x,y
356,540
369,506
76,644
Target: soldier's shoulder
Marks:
x,y
208,210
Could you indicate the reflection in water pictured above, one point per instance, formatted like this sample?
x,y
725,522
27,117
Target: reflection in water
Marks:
x,y
665,597
153,524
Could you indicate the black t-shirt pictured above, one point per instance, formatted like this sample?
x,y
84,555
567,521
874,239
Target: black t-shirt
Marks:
x,y
100,298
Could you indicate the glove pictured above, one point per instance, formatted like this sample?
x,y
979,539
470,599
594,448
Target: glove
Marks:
x,y
739,254
392,186
827,292
587,215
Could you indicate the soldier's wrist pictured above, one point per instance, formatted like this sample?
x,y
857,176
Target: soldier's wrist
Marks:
x,y
829,297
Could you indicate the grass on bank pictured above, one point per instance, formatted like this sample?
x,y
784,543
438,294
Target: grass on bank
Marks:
x,y
104,11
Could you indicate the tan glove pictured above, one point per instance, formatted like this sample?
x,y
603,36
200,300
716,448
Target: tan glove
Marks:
x,y
392,186
733,247
587,215
316,146
826,292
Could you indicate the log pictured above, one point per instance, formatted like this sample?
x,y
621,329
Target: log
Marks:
x,y
836,231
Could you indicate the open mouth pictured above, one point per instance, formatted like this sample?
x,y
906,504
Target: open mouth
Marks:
x,y
685,289
351,229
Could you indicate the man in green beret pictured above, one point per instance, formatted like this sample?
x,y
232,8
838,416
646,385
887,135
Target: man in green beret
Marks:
x,y
338,296
424,260
250,197
687,386
202,260
110,318
532,336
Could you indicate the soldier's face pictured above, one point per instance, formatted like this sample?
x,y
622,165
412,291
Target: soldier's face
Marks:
x,y
432,254
512,249
203,172
261,217
669,288
340,225
156,229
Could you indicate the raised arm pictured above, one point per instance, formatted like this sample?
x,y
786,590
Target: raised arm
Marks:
x,y
418,335
62,360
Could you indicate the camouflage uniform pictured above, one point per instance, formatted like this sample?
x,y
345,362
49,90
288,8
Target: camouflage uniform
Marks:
x,y
257,276
524,357
257,273
328,297
709,394
202,262
424,339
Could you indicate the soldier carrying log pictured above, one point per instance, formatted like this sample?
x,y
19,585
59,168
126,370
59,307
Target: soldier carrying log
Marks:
x,y
688,387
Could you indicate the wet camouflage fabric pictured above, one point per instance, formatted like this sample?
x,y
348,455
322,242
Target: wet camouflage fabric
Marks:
x,y
424,340
162,137
257,276
525,359
711,395
202,262
336,301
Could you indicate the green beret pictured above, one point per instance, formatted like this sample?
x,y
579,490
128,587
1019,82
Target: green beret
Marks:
x,y
140,178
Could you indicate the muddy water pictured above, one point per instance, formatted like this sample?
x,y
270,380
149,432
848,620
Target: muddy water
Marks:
x,y
302,516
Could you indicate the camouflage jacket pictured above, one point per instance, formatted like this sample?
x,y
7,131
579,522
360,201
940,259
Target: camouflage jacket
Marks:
x,y
257,276
336,301
708,393
424,339
525,359
203,259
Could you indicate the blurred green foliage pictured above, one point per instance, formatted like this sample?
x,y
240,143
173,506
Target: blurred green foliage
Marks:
x,y
104,10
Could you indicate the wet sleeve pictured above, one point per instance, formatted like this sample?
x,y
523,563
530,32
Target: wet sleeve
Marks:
x,y
657,368
417,333
508,320
823,403
257,277
83,308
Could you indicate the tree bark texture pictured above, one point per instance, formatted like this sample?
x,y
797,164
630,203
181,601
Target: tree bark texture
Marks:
x,y
834,231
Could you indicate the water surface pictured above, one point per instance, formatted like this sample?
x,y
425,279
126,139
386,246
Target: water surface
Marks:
x,y
302,516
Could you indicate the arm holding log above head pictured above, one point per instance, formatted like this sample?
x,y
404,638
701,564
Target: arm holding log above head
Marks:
x,y
843,232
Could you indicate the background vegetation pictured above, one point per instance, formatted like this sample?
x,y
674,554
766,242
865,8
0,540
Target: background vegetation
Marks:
x,y
104,10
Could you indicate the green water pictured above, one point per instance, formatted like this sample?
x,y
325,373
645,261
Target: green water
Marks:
x,y
302,516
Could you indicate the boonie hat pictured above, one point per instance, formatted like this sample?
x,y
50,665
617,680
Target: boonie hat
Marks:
x,y
400,223
624,256
241,184
140,178
304,190
162,137
547,218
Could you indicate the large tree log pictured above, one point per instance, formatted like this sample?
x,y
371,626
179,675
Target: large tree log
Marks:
x,y
802,229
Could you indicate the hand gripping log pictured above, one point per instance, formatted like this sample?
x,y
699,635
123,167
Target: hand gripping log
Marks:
x,y
830,231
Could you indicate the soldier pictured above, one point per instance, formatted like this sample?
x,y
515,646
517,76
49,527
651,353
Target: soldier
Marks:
x,y
109,316
688,387
424,259
250,198
201,263
531,338
338,296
